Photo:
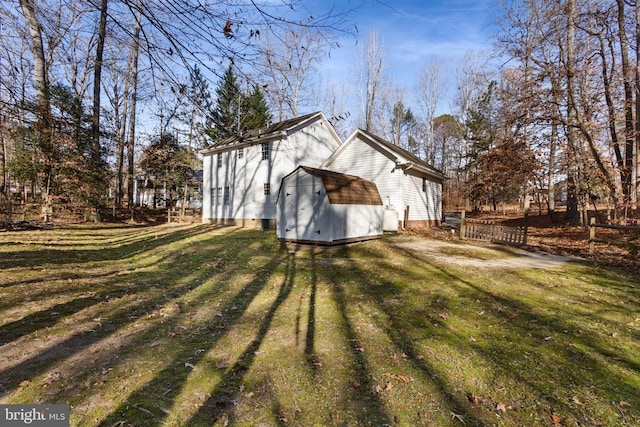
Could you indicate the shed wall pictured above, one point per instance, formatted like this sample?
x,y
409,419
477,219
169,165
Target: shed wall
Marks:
x,y
356,221
303,209
306,215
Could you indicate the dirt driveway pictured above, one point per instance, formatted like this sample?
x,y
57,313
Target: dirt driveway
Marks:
x,y
480,255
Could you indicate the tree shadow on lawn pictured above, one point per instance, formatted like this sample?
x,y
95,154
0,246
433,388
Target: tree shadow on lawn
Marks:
x,y
368,403
164,388
555,357
226,390
381,291
108,290
152,290
58,252
369,409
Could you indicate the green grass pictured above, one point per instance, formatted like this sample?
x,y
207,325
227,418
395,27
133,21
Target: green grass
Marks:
x,y
198,325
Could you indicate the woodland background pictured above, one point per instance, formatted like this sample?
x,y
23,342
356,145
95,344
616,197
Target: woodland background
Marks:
x,y
97,94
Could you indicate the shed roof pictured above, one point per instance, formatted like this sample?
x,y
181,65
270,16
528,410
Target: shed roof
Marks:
x,y
343,189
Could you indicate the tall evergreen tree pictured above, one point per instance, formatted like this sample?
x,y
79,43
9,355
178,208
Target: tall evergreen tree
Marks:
x,y
257,111
198,112
228,112
235,111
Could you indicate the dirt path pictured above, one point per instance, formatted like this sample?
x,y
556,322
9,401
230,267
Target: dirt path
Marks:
x,y
479,255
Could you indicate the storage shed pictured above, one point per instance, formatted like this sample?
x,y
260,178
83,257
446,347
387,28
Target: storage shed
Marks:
x,y
327,208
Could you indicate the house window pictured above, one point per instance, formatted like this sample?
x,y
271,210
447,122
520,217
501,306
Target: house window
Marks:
x,y
424,184
267,188
219,160
266,151
225,200
240,152
219,196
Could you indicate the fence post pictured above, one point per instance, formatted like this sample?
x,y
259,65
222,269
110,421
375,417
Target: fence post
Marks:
x,y
592,235
462,226
526,228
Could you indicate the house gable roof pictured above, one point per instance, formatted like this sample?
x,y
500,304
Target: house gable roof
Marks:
x,y
343,189
402,157
275,131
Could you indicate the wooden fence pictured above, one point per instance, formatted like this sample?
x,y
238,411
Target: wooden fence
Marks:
x,y
489,231
629,236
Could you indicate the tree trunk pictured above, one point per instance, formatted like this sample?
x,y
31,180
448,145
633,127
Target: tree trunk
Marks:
x,y
551,192
121,129
628,106
573,173
132,119
97,72
43,103
636,175
612,122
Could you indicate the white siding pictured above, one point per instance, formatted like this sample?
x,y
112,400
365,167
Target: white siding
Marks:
x,y
206,189
397,187
424,204
414,197
246,177
355,221
434,200
303,209
360,159
363,160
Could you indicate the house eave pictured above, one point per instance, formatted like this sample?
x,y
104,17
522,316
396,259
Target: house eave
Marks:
x,y
245,143
405,166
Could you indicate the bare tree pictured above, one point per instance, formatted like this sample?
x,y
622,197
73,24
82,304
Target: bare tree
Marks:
x,y
628,104
289,62
97,82
135,49
371,80
431,88
43,102
471,79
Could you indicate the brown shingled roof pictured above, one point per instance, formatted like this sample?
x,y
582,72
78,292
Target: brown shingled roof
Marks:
x,y
343,189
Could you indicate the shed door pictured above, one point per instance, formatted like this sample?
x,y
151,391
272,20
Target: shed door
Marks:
x,y
303,205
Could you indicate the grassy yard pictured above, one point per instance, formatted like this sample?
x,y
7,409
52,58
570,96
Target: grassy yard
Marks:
x,y
196,326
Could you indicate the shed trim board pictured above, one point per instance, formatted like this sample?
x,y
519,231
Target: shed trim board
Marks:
x,y
326,207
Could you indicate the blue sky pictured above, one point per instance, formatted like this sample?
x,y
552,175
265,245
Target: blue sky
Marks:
x,y
414,31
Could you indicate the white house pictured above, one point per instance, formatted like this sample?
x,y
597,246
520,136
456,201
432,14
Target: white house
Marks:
x,y
326,207
242,174
408,184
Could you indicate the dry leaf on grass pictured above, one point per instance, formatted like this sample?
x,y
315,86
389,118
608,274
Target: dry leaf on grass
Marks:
x,y
401,378
577,401
476,400
315,361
